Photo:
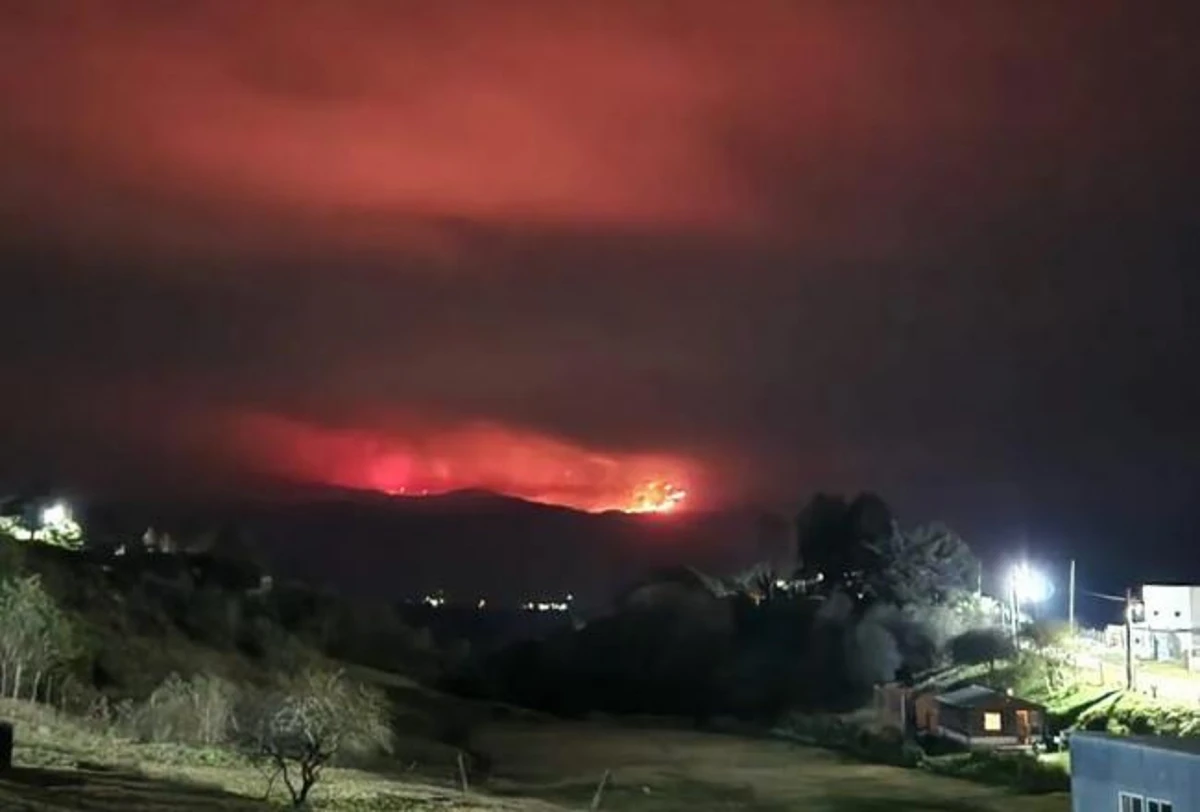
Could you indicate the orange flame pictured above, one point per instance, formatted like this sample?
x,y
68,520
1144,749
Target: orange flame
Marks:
x,y
436,460
656,497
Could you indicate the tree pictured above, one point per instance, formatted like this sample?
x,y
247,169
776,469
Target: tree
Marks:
x,y
1046,634
53,526
12,558
979,646
299,728
840,543
35,635
858,548
928,565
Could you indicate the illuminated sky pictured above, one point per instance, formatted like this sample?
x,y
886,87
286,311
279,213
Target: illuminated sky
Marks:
x,y
943,249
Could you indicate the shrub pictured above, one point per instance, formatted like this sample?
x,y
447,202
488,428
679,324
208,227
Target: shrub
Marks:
x,y
1126,713
213,616
12,558
198,711
1020,771
36,637
298,728
879,745
979,646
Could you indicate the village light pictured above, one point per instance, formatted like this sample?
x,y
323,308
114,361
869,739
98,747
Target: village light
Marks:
x,y
1029,585
55,515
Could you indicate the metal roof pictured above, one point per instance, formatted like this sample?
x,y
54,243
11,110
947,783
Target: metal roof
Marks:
x,y
1176,744
976,696
969,697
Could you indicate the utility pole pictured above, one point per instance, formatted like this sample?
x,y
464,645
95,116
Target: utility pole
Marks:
x,y
1128,639
1071,607
1013,608
1128,601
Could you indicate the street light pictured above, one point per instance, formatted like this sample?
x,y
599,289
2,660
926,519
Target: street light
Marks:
x,y
55,515
1030,585
1026,586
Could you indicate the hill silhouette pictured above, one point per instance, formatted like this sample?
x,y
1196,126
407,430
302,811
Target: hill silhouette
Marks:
x,y
471,544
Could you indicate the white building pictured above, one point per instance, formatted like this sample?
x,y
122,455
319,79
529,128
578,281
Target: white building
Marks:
x,y
1170,629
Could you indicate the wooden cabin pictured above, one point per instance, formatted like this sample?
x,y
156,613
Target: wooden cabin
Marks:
x,y
978,716
893,704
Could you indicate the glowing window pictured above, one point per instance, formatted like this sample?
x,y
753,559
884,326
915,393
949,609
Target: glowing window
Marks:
x,y
992,722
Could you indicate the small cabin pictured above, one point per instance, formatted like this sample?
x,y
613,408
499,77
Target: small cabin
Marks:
x,y
1134,773
978,716
894,705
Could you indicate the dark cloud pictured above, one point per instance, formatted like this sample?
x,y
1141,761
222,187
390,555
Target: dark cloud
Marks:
x,y
779,244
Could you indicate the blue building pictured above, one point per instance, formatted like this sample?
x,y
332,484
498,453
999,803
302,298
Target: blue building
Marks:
x,y
1134,773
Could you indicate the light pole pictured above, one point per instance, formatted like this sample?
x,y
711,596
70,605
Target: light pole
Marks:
x,y
1071,603
55,514
1128,612
1026,585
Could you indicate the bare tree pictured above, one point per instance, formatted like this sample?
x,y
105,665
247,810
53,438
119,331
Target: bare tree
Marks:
x,y
295,731
35,636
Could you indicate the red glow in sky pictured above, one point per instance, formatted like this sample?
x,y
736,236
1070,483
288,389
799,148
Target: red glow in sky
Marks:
x,y
475,456
751,236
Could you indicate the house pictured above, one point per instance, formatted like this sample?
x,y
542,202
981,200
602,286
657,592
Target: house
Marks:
x,y
978,716
1170,617
1134,773
894,705
1140,639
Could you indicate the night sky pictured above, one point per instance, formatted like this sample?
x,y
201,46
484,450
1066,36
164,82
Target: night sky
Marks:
x,y
944,250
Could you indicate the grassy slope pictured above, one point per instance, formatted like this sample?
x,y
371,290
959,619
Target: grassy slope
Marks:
x,y
511,752
663,770
62,765
65,766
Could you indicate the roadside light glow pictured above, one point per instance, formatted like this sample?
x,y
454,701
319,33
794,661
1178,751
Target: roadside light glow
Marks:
x,y
1030,585
546,606
55,515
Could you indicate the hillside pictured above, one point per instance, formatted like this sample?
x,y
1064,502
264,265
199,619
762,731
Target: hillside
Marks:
x,y
535,765
389,547
130,736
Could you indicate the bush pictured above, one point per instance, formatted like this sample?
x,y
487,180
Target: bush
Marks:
x,y
298,728
1021,771
213,616
879,745
196,711
1125,713
36,637
980,646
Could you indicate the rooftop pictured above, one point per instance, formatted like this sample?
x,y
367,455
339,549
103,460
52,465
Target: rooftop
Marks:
x,y
968,697
1175,744
974,696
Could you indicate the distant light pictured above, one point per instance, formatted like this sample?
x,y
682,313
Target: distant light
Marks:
x,y
1030,585
55,515
482,603
545,606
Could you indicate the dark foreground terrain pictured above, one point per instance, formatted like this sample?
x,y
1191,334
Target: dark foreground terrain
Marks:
x,y
533,763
